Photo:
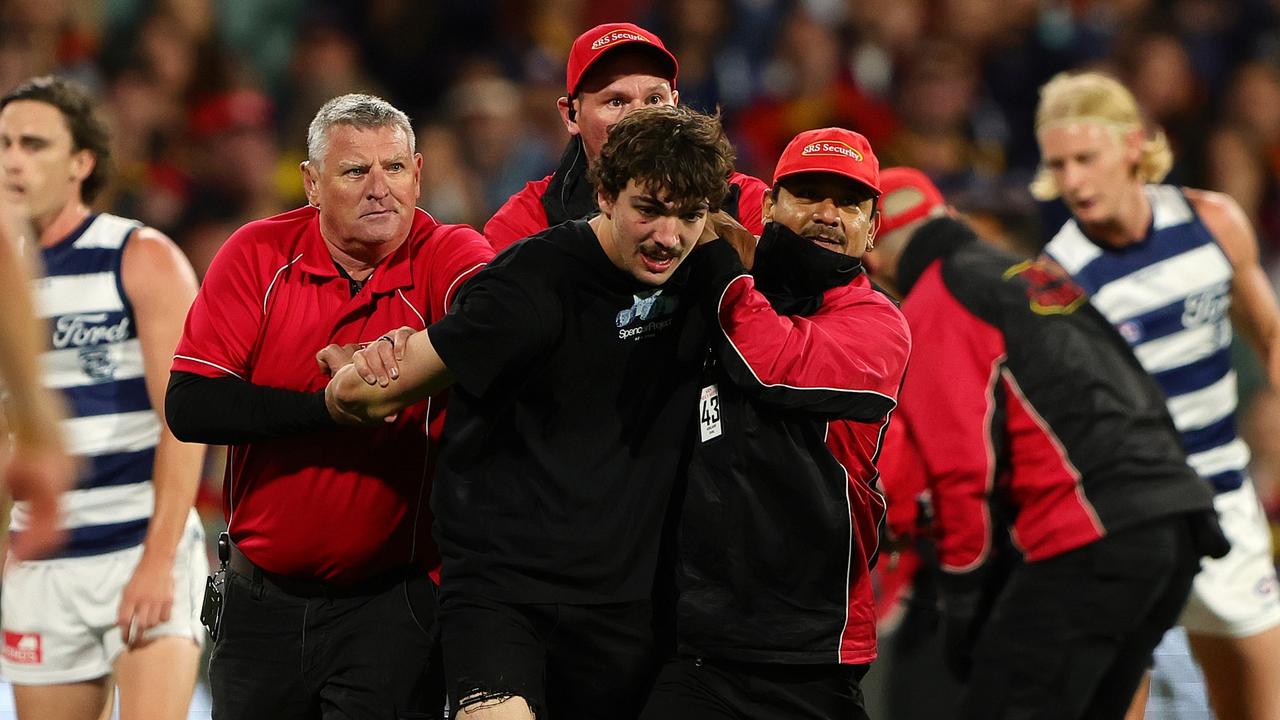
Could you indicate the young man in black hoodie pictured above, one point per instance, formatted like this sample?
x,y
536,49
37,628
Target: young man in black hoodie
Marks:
x,y
572,363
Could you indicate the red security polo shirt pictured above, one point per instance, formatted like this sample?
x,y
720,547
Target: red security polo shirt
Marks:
x,y
351,503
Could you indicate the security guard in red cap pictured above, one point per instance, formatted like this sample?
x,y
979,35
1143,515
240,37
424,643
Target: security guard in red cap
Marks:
x,y
781,517
612,70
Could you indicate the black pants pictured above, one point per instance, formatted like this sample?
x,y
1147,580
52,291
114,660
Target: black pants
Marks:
x,y
285,657
1070,636
693,689
917,684
569,662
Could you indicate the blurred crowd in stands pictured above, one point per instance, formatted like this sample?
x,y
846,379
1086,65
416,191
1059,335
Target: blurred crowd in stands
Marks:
x,y
210,100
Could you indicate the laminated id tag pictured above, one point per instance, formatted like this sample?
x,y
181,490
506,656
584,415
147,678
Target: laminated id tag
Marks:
x,y
211,609
709,413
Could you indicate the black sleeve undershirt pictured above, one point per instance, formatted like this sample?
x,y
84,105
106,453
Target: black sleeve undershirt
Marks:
x,y
230,411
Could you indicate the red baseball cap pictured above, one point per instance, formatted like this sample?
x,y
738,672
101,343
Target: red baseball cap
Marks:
x,y
830,150
601,39
908,195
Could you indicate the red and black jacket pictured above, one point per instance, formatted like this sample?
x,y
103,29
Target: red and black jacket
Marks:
x,y
567,194
1023,400
781,516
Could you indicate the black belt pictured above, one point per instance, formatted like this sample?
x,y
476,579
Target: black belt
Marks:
x,y
310,587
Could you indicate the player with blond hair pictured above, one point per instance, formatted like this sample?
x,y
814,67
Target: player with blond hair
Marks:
x,y
1174,269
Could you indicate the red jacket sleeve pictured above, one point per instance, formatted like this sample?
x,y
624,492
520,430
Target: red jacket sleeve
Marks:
x,y
948,405
521,216
902,478
844,361
223,323
750,201
459,254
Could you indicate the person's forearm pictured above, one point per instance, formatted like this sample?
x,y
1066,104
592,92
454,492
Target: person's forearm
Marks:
x,y
1268,345
32,411
352,400
230,411
176,479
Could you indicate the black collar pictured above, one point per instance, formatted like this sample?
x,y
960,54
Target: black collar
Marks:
x,y
570,195
793,272
356,285
935,239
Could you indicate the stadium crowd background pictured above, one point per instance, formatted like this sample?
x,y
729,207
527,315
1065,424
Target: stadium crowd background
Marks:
x,y
209,100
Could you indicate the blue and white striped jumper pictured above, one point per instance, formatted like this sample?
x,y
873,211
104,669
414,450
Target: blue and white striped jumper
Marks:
x,y
96,361
1168,296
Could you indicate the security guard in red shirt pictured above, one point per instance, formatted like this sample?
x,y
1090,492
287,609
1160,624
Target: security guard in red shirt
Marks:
x,y
329,607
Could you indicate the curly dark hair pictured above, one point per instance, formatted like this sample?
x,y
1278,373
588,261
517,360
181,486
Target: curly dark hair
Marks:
x,y
679,151
84,120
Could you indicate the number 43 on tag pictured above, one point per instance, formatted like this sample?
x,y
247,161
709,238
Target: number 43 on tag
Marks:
x,y
709,413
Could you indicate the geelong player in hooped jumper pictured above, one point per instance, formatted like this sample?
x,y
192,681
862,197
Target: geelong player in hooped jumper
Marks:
x,y
573,360
612,69
1174,269
121,598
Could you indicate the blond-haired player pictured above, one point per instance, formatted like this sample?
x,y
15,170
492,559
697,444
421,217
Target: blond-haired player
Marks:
x,y
1174,269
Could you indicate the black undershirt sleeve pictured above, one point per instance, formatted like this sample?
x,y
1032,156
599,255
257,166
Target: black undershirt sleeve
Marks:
x,y
230,411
